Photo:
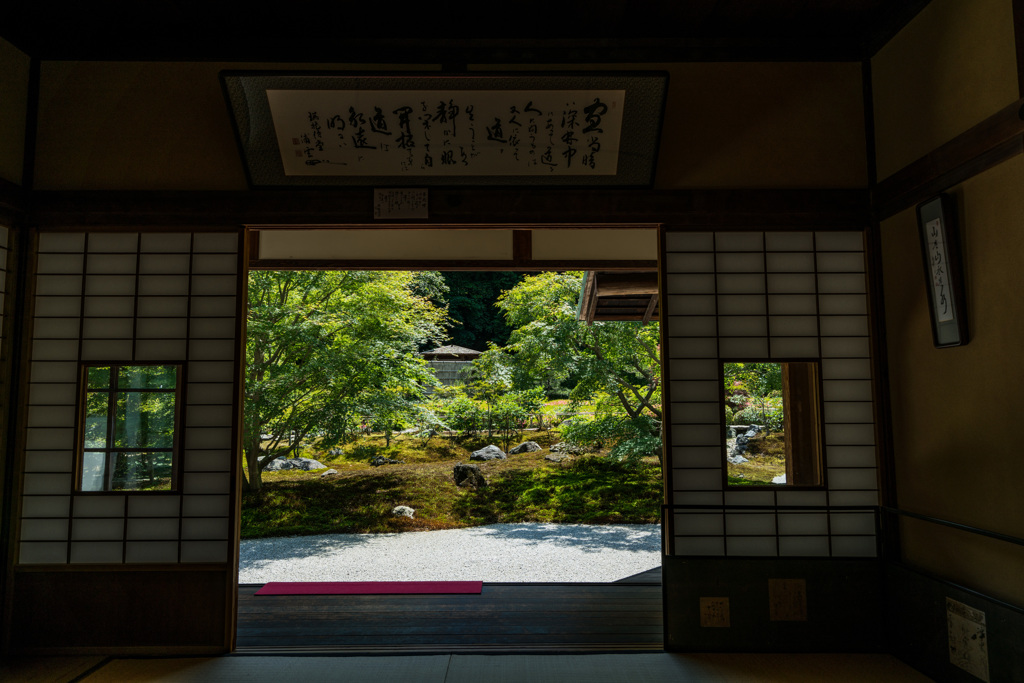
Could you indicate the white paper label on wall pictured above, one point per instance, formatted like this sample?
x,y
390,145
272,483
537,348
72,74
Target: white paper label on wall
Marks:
x,y
400,203
968,638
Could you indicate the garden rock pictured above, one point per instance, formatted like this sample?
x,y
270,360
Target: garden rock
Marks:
x,y
381,460
328,472
469,475
294,464
335,452
403,511
556,458
570,448
525,447
491,452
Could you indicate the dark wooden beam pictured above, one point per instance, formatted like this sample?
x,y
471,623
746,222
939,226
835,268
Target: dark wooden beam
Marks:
x,y
991,142
408,264
13,201
1018,34
624,284
522,246
465,207
650,308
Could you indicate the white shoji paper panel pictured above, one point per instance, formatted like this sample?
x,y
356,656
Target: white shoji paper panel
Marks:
x,y
697,498
97,529
839,241
742,497
141,552
739,241
741,283
154,506
791,283
779,295
697,413
743,347
168,297
53,552
803,546
163,243
96,552
750,524
204,551
44,529
803,523
751,546
691,304
699,546
205,506
692,326
691,283
164,264
153,529
689,241
789,241
697,456
739,262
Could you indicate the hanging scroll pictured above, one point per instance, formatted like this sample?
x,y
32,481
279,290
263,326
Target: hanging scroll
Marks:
x,y
944,276
430,130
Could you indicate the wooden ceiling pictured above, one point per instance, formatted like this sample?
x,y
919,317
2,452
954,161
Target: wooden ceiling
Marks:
x,y
454,34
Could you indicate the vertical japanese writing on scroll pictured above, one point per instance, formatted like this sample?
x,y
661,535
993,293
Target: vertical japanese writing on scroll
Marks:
x,y
448,132
939,268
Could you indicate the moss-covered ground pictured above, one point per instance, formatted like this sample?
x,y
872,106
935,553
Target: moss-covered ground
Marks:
x,y
588,489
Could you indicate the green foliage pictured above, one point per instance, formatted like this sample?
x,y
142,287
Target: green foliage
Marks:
x,y
755,389
325,347
509,411
550,347
470,301
630,438
769,413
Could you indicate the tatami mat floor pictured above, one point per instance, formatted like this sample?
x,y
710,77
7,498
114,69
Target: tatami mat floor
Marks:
x,y
444,668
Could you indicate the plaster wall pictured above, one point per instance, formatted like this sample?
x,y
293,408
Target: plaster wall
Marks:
x,y
950,68
952,462
166,126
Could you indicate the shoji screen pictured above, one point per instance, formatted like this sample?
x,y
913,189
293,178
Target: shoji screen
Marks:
x,y
768,295
132,297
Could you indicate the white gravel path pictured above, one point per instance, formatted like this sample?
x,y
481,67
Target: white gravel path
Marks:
x,y
494,553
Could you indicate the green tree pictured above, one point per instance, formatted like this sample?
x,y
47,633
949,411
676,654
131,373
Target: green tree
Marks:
x,y
758,385
549,346
470,297
324,348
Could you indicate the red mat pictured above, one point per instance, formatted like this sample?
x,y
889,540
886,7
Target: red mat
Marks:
x,y
369,587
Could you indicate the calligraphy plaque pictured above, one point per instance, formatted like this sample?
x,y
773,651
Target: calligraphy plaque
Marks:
x,y
944,278
309,129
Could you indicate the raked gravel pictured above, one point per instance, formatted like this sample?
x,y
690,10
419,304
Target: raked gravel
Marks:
x,y
494,553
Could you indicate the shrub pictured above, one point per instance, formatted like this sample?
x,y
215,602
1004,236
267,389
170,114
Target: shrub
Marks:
x,y
466,415
771,417
630,438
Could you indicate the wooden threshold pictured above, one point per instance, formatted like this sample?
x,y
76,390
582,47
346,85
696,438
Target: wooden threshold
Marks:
x,y
520,617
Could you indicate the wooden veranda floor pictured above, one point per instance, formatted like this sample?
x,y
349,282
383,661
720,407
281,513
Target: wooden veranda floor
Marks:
x,y
541,617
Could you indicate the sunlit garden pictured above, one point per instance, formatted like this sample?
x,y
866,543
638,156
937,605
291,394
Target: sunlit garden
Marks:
x,y
345,423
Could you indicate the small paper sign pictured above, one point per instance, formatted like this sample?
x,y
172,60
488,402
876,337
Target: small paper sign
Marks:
x,y
391,203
